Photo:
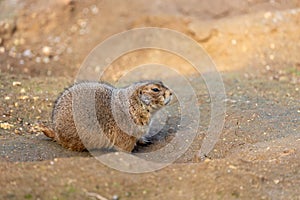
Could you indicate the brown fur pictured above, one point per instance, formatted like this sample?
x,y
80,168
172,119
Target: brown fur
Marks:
x,y
91,115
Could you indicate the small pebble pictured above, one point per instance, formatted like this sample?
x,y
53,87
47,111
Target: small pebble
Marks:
x,y
35,98
27,53
16,42
46,60
46,50
145,192
115,197
22,91
2,50
6,125
17,83
94,9
82,23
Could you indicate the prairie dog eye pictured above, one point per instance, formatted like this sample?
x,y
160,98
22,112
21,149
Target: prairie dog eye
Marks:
x,y
155,89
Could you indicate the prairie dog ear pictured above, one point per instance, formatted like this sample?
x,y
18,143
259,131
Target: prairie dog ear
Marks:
x,y
145,99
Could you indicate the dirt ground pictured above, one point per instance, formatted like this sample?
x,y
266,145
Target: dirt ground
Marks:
x,y
255,45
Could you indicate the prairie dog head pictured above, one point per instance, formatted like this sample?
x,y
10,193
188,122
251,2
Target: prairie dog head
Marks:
x,y
154,95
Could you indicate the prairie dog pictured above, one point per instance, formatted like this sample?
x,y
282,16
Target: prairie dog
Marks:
x,y
93,115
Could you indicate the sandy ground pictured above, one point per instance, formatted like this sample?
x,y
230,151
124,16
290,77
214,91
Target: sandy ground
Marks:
x,y
255,45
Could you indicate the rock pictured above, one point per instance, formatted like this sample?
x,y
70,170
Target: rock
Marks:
x,y
16,42
22,91
17,83
27,53
6,125
46,60
35,98
2,49
47,50
94,9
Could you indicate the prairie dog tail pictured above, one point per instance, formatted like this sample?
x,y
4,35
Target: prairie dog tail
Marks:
x,y
49,132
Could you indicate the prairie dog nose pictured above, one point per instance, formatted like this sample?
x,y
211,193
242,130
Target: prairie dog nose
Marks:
x,y
168,97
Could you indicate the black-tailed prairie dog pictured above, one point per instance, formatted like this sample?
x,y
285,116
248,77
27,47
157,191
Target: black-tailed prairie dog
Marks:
x,y
93,115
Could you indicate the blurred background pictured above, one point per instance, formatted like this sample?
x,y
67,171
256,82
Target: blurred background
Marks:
x,y
53,37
